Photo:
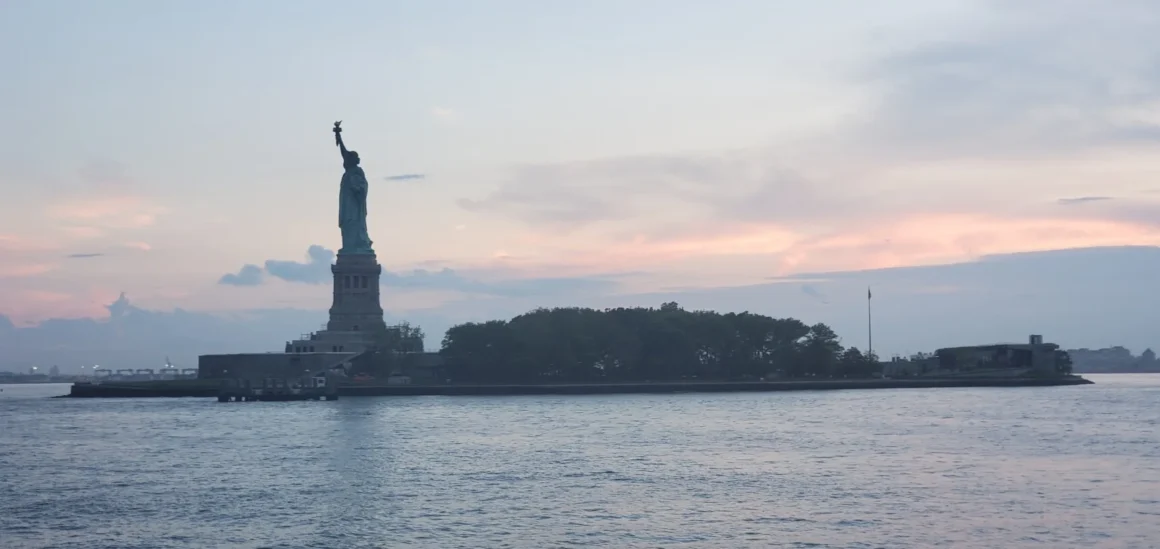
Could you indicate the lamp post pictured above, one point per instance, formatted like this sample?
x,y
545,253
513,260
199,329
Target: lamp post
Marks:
x,y
869,328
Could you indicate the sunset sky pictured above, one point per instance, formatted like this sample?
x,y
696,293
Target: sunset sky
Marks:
x,y
525,152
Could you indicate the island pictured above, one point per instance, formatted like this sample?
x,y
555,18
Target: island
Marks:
x,y
564,350
666,349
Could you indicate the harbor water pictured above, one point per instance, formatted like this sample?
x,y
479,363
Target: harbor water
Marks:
x,y
1052,467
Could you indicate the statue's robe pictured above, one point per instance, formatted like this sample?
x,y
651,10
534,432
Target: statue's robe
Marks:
x,y
352,212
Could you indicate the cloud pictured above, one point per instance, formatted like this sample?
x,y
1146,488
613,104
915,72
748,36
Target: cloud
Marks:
x,y
448,279
11,243
101,198
22,257
406,177
83,232
444,114
1031,77
975,127
94,213
950,238
756,250
815,293
1101,266
35,297
248,275
1082,200
84,255
316,270
132,337
129,336
1057,294
634,212
140,246
25,270
656,188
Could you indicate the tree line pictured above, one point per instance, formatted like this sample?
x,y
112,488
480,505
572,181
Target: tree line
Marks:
x,y
669,343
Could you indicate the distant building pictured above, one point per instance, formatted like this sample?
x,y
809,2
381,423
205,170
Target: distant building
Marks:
x,y
1113,360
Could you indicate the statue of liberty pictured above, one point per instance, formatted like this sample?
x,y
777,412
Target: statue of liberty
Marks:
x,y
352,201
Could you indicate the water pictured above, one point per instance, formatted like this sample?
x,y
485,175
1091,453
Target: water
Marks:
x,y
967,468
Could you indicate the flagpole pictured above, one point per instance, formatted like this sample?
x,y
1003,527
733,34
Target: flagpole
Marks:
x,y
869,326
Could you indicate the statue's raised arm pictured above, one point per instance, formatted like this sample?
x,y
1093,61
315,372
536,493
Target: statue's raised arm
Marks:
x,y
346,155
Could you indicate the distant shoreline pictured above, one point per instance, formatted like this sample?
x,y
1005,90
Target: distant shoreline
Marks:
x,y
1115,371
9,382
198,388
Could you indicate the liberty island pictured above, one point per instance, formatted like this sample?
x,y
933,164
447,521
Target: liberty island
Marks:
x,y
549,352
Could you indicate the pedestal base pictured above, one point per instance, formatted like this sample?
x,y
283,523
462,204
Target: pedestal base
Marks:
x,y
356,305
356,317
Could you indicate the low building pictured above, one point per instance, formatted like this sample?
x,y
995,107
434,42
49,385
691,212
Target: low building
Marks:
x,y
1035,356
1000,359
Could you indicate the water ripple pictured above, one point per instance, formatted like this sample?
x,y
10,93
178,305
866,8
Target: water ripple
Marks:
x,y
970,468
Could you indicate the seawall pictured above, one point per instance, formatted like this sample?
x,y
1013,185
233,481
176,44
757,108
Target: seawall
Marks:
x,y
203,389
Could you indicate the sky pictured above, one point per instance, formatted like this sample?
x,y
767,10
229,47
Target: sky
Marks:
x,y
169,177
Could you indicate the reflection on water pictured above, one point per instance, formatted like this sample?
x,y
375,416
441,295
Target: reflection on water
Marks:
x,y
984,468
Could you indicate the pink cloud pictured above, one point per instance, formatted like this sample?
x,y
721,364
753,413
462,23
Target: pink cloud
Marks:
x,y
83,232
15,243
906,240
24,257
116,212
23,270
30,305
142,246
930,239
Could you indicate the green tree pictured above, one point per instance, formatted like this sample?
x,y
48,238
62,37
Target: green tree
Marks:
x,y
404,338
853,363
637,344
481,352
820,352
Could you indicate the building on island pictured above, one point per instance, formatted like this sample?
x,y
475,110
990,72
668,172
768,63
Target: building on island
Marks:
x,y
1003,359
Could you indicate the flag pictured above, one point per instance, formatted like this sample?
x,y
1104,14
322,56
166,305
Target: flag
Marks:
x,y
867,293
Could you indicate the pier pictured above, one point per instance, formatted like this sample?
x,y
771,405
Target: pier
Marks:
x,y
277,390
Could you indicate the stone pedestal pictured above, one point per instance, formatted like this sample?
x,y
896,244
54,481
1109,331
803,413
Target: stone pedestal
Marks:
x,y
356,317
356,306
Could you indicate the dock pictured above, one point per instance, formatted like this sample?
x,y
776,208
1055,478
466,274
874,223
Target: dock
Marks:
x,y
277,390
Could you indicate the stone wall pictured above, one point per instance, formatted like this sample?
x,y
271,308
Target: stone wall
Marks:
x,y
421,367
264,365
